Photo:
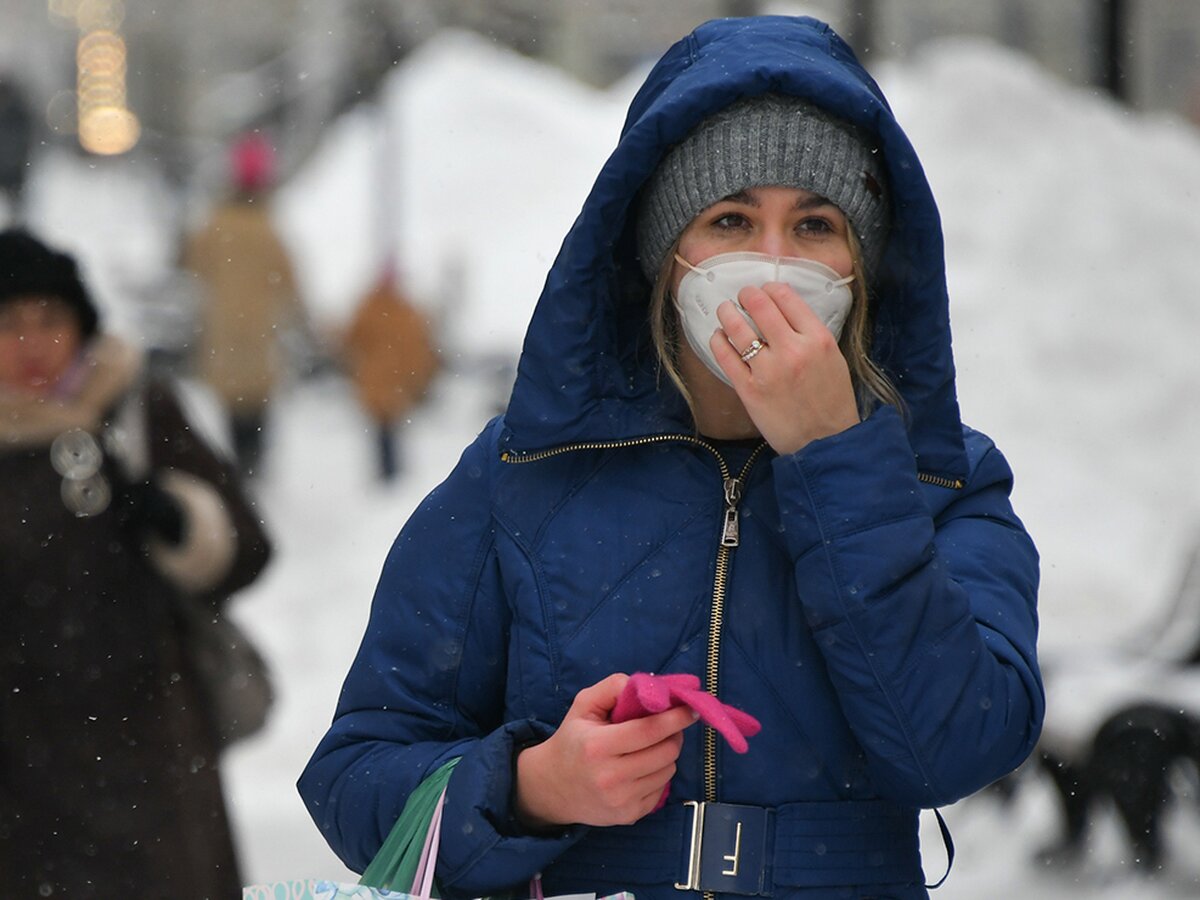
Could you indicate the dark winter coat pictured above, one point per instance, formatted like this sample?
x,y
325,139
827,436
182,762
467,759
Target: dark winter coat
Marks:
x,y
877,614
109,783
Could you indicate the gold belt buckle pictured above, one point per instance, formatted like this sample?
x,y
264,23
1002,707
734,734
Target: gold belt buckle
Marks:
x,y
693,869
729,847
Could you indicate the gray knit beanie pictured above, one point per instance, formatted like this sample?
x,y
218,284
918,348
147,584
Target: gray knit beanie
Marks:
x,y
767,140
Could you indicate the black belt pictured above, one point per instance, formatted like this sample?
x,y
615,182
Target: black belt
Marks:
x,y
736,849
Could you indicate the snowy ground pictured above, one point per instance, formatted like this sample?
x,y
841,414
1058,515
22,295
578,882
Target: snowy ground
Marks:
x,y
333,526
1071,232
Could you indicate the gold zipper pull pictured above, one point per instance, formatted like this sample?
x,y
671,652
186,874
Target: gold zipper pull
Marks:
x,y
733,493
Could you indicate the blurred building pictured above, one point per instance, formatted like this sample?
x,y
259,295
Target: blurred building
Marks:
x,y
200,72
600,41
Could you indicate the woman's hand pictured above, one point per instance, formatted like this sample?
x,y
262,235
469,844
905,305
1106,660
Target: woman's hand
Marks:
x,y
797,388
594,772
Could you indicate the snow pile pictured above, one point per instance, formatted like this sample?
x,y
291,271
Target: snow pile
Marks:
x,y
1071,230
475,171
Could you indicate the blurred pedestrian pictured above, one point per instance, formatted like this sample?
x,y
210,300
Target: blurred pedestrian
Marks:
x,y
733,453
249,299
112,510
16,142
389,354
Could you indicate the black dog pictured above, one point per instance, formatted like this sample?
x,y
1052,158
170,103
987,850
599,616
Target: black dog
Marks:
x,y
1130,764
1140,746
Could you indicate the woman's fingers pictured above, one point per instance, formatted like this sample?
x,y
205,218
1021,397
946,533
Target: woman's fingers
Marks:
x,y
595,772
776,310
648,731
739,332
794,311
598,700
780,315
797,388
728,357
735,338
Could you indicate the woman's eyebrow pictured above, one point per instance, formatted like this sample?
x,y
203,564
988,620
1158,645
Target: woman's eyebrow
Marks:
x,y
812,201
743,196
806,201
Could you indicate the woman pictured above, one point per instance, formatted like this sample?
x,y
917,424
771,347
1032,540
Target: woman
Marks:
x,y
801,520
389,356
249,300
112,508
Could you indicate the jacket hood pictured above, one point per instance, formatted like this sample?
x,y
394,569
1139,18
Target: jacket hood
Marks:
x,y
587,370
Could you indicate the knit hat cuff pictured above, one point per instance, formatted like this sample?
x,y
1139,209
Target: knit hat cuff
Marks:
x,y
768,140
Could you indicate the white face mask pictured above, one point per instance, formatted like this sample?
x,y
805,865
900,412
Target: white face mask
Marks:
x,y
719,278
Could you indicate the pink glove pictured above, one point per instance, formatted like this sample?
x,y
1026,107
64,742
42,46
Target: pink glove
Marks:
x,y
644,694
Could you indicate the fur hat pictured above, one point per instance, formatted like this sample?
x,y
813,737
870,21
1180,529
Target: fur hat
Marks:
x,y
771,139
30,268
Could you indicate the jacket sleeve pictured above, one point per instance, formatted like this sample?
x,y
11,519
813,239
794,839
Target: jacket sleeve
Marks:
x,y
923,601
214,502
428,685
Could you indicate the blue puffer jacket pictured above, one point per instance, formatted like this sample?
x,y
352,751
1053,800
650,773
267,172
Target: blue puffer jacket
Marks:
x,y
877,613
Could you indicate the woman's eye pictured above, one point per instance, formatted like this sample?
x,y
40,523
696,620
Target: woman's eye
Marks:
x,y
815,225
730,221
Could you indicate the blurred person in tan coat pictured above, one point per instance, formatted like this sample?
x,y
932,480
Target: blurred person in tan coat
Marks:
x,y
389,354
250,302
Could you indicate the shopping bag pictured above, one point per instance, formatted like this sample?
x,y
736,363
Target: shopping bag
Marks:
x,y
399,862
313,889
404,866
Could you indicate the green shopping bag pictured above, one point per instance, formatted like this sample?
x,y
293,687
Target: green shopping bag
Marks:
x,y
403,868
395,865
406,859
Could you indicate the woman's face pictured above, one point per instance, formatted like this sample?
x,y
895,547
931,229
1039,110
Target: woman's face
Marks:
x,y
777,221
39,339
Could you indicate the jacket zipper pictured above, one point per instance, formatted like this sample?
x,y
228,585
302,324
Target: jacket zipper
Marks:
x,y
730,538
516,457
954,484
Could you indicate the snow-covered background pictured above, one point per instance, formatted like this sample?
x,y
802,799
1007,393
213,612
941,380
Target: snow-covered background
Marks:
x,y
1073,237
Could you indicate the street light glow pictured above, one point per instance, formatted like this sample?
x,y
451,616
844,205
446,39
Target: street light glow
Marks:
x,y
106,125
108,130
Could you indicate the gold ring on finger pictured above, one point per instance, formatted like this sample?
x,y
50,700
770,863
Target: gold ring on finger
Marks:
x,y
756,347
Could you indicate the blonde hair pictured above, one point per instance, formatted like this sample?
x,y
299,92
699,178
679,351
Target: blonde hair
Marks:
x,y
872,387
